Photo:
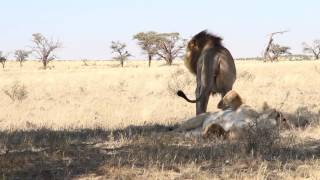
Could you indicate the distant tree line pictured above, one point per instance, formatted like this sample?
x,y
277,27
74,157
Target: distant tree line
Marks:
x,y
42,47
155,45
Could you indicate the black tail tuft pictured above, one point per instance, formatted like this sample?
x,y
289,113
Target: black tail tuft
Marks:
x,y
181,93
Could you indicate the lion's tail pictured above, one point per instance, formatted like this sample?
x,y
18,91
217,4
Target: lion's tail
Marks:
x,y
183,95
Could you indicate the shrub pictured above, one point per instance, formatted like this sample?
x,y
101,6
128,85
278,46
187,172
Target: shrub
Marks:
x,y
16,91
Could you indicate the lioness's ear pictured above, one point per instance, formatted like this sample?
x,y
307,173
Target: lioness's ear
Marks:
x,y
265,107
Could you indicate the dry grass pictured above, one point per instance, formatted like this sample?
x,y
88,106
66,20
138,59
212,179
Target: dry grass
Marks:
x,y
97,120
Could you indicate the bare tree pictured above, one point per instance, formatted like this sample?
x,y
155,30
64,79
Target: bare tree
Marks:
x,y
313,49
267,50
276,51
21,55
3,59
44,48
148,43
169,46
120,49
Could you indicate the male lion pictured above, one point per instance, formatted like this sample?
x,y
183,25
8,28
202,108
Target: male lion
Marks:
x,y
213,66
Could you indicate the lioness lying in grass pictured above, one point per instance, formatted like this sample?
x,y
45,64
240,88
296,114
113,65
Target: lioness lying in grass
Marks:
x,y
234,119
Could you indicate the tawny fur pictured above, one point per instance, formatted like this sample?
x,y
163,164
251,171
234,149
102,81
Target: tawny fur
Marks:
x,y
232,100
217,123
213,66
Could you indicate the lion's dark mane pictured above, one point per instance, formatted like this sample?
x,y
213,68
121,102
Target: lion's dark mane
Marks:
x,y
202,40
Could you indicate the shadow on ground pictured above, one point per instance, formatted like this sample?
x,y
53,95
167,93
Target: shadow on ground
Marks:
x,y
50,154
303,117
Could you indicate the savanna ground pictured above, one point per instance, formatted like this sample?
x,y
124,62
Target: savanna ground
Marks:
x,y
95,120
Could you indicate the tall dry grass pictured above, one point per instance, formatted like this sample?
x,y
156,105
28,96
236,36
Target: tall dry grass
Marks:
x,y
66,123
103,95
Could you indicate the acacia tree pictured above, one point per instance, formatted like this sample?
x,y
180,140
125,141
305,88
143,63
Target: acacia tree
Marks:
x,y
148,43
169,46
268,50
313,49
21,55
120,49
3,59
276,51
44,48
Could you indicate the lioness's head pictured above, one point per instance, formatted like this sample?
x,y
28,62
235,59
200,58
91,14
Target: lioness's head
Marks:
x,y
275,117
231,100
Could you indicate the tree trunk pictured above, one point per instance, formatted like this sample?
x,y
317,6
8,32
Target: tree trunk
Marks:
x,y
266,52
167,61
121,62
2,65
170,61
20,63
150,57
44,64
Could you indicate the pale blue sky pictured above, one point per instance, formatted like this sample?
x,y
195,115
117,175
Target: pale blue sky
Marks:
x,y
86,27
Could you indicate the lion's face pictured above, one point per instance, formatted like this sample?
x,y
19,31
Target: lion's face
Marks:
x,y
192,55
279,118
188,54
193,50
